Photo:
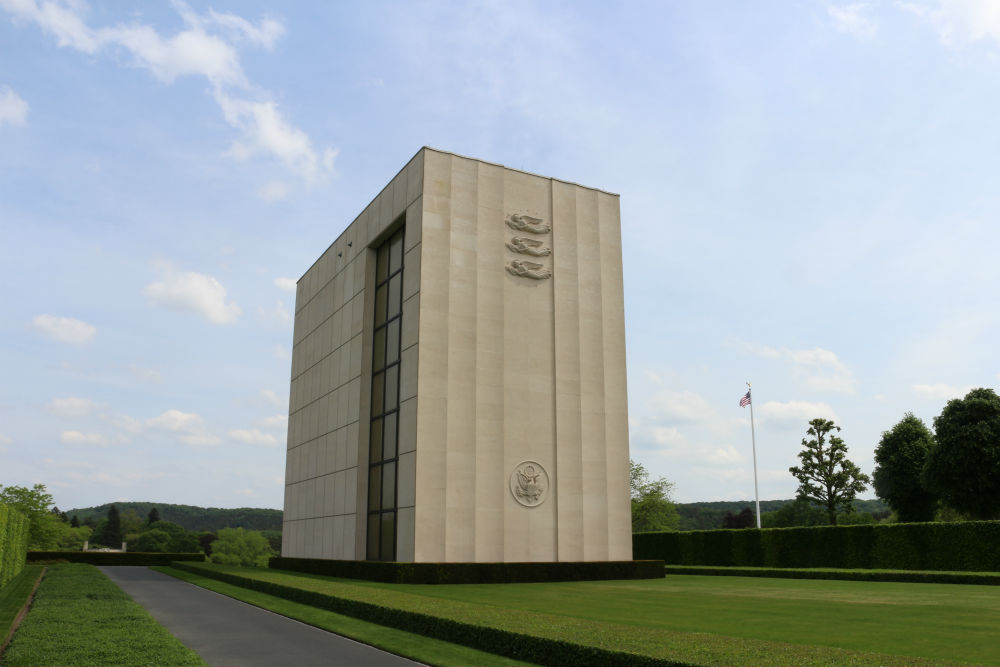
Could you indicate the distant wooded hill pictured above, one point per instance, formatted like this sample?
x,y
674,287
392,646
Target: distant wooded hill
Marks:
x,y
191,517
708,516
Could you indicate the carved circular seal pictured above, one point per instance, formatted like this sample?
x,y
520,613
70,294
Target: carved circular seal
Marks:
x,y
529,483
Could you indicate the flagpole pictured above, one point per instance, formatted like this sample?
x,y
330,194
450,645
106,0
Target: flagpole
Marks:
x,y
753,439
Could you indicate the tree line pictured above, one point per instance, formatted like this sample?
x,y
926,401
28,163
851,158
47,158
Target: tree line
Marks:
x,y
950,473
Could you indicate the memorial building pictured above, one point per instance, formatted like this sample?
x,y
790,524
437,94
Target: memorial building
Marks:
x,y
458,375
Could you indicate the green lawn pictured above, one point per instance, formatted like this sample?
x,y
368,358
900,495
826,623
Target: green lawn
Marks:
x,y
400,642
79,617
714,620
14,595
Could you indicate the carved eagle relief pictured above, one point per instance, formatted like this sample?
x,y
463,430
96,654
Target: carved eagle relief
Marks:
x,y
526,246
528,270
526,223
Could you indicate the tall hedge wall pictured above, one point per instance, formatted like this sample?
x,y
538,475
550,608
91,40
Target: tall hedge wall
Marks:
x,y
114,557
962,546
13,543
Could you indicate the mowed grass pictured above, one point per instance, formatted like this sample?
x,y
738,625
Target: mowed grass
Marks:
x,y
80,617
400,642
714,620
14,595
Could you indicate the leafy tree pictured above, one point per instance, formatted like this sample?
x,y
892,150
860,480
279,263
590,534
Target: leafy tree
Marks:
x,y
744,519
652,508
826,476
72,538
164,536
153,516
205,540
238,546
75,522
798,513
35,503
109,532
151,541
964,467
900,458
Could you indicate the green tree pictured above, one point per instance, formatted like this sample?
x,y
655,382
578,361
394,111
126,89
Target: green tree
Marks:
x,y
44,527
109,531
964,467
153,540
153,517
75,523
900,458
798,513
826,476
652,508
238,546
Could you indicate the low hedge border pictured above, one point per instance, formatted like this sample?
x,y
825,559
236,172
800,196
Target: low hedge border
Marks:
x,y
905,576
967,546
472,573
113,557
528,648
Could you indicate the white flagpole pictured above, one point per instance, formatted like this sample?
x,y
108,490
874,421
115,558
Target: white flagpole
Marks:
x,y
753,439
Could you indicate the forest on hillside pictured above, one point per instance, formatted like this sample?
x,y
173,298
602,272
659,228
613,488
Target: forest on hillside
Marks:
x,y
191,517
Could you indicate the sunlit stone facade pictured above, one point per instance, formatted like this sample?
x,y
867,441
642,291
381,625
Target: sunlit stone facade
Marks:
x,y
458,375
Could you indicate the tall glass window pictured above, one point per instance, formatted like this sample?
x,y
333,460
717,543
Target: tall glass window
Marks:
x,y
382,455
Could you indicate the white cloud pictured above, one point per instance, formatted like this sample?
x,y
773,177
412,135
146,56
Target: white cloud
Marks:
x,y
281,352
78,438
796,411
145,374
13,109
205,47
279,314
175,420
126,423
277,421
942,391
820,369
273,398
727,455
253,437
960,21
273,191
72,406
853,19
266,131
194,292
287,284
64,329
682,405
245,492
200,439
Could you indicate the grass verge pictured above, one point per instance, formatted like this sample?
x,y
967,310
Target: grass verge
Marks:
x,y
79,617
400,642
13,597
613,622
908,576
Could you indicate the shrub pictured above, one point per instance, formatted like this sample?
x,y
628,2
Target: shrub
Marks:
x,y
113,557
967,546
13,543
237,546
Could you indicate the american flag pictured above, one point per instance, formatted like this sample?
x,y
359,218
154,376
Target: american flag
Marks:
x,y
745,401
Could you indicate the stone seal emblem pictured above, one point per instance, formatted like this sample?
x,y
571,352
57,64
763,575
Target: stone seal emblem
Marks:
x,y
529,483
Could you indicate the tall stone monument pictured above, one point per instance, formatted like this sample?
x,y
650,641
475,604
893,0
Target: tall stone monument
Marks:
x,y
458,375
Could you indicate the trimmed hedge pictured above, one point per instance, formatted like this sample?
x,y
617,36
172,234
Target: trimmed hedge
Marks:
x,y
906,576
113,557
13,543
958,547
528,648
472,573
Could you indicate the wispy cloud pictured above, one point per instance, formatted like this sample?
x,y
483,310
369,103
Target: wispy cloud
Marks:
x,y
287,284
64,329
205,47
819,368
853,19
796,411
78,438
942,391
72,406
959,22
13,109
193,292
188,426
273,191
253,437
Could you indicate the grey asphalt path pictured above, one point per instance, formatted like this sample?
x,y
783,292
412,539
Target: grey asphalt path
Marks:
x,y
229,633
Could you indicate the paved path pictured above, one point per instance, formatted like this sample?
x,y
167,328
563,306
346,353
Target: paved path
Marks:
x,y
226,632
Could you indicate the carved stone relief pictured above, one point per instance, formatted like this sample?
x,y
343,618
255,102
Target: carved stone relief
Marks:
x,y
526,246
526,223
528,270
529,483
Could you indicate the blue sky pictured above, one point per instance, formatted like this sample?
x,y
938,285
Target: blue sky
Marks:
x,y
808,195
